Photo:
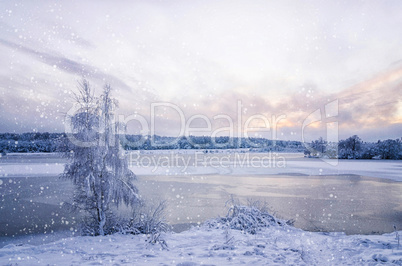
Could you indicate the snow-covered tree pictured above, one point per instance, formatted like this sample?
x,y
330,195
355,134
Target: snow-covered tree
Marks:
x,y
316,148
98,168
390,149
350,148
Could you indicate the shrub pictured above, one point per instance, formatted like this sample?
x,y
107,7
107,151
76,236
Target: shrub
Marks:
x,y
249,219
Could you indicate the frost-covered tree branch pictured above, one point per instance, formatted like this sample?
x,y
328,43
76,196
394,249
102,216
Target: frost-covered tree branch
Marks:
x,y
98,171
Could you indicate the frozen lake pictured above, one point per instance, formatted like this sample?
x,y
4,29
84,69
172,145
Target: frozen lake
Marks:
x,y
356,197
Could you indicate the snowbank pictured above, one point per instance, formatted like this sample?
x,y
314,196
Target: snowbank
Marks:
x,y
273,245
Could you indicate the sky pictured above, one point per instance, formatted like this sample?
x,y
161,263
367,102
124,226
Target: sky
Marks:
x,y
251,68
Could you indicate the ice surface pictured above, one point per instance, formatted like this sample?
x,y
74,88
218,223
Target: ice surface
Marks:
x,y
202,165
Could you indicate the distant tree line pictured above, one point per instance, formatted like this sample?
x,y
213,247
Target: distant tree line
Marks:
x,y
350,148
55,142
30,142
137,142
354,148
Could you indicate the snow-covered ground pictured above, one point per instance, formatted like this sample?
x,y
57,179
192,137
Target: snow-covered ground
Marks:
x,y
203,246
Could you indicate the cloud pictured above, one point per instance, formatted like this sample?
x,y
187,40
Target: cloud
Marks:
x,y
67,65
277,58
373,103
363,108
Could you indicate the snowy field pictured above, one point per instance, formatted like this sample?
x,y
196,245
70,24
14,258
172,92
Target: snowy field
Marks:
x,y
203,246
372,189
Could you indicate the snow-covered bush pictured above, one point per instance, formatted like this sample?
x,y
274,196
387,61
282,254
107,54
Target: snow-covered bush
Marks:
x,y
248,218
145,220
149,221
